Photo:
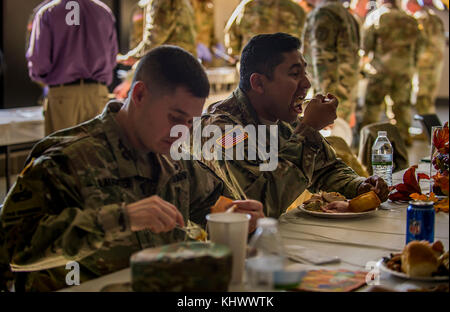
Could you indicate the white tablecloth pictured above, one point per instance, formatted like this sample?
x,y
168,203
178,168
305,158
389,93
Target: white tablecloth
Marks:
x,y
21,125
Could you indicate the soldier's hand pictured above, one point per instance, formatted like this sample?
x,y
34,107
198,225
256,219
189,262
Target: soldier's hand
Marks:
x,y
252,207
321,111
376,184
154,214
126,60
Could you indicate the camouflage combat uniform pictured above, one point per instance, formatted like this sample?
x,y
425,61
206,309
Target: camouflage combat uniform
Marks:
x,y
68,203
253,17
393,38
137,22
430,60
204,21
305,160
330,45
167,22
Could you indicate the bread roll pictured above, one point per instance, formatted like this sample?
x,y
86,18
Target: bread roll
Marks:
x,y
418,259
222,204
364,202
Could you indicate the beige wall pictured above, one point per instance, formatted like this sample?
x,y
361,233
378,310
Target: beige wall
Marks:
x,y
222,12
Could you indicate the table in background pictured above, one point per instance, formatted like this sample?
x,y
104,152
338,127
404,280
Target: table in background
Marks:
x,y
19,126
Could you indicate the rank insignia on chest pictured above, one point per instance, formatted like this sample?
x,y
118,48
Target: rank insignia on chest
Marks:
x,y
232,137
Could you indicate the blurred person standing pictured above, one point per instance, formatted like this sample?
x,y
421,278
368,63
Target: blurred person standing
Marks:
x,y
207,44
170,22
331,42
431,58
253,17
73,46
391,43
165,22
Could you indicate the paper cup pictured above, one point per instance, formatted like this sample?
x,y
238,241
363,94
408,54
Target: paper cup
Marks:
x,y
231,229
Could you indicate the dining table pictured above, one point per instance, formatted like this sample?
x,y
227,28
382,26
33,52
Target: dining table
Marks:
x,y
357,244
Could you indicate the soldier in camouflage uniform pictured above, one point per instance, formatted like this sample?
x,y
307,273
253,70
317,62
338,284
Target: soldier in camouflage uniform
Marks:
x,y
204,24
169,22
330,44
391,40
100,191
253,17
272,87
431,59
166,22
137,22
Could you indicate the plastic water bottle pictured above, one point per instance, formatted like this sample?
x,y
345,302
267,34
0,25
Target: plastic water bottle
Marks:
x,y
266,255
382,157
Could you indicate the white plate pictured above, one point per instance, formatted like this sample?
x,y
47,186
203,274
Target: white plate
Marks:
x,y
337,215
384,268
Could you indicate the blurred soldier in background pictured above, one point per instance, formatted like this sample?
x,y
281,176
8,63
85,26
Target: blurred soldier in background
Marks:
x,y
165,22
137,22
209,50
391,41
253,17
331,42
431,58
170,22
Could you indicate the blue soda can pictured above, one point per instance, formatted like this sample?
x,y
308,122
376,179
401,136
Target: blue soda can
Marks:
x,y
420,221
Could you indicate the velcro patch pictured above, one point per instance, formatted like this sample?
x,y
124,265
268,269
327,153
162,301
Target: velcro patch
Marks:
x,y
232,137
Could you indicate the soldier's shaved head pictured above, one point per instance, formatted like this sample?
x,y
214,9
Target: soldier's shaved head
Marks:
x,y
263,53
165,68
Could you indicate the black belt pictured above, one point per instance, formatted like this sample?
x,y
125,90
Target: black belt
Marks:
x,y
78,82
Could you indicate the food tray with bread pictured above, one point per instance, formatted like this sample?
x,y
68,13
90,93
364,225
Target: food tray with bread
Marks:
x,y
335,205
419,261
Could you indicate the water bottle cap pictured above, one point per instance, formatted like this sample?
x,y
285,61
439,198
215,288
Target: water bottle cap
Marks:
x,y
382,133
267,222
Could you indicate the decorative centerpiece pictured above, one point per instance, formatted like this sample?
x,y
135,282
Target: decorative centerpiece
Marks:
x,y
439,161
410,190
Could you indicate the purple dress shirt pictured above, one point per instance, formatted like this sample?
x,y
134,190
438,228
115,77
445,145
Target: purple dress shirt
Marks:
x,y
61,53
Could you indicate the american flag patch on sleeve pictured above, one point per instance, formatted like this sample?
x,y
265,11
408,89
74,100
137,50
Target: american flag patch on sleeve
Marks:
x,y
232,137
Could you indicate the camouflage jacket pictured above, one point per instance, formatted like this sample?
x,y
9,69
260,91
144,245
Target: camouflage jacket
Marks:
x,y
331,42
68,203
305,160
204,21
167,22
253,17
394,39
433,36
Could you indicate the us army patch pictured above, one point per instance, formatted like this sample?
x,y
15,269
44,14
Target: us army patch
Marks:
x,y
232,137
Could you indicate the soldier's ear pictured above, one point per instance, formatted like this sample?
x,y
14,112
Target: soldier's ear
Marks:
x,y
256,82
137,92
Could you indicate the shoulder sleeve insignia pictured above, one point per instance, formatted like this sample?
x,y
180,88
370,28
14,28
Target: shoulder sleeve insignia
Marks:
x,y
232,137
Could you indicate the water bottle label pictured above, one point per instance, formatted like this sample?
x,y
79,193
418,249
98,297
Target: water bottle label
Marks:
x,y
382,160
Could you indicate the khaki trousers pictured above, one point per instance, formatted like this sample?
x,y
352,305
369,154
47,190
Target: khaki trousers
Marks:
x,y
70,105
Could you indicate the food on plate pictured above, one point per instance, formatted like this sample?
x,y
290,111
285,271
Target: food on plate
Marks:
x,y
222,204
364,202
420,259
334,202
